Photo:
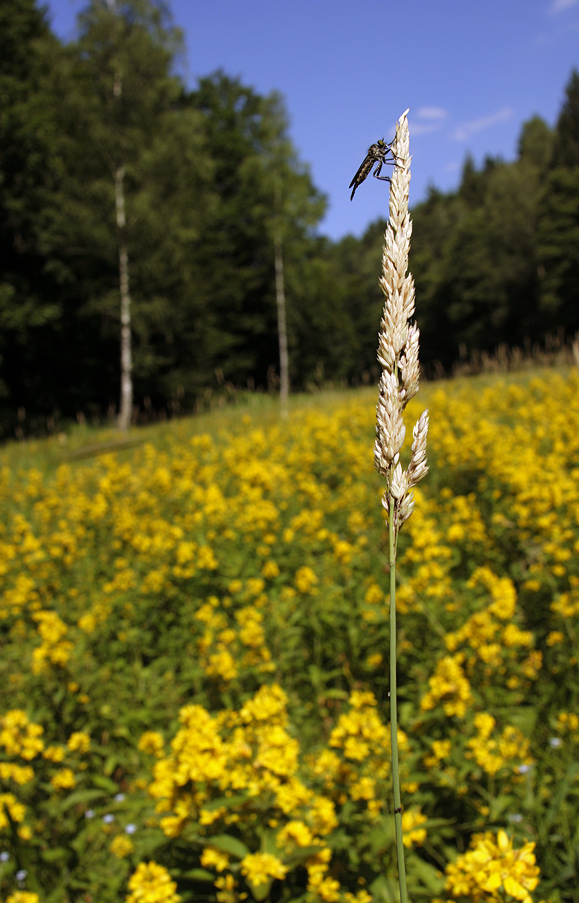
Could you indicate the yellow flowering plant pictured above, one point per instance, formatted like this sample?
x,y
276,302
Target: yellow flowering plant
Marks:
x,y
237,787
189,576
493,869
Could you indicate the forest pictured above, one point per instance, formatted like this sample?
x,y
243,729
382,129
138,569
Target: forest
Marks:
x,y
118,184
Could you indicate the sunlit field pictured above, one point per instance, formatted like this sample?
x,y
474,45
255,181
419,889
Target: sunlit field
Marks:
x,y
195,671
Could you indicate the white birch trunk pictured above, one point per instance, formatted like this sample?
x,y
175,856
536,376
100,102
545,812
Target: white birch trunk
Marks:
x,y
126,401
281,327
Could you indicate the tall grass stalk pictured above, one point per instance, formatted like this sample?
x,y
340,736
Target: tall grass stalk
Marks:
x,y
398,357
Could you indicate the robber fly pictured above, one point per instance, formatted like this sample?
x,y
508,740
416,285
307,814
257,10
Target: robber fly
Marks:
x,y
378,154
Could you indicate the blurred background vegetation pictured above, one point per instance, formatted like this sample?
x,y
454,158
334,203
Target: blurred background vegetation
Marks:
x,y
210,180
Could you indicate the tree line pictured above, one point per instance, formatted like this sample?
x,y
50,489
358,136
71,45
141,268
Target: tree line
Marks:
x,y
147,231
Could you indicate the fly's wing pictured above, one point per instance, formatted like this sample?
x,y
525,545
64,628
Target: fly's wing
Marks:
x,y
363,172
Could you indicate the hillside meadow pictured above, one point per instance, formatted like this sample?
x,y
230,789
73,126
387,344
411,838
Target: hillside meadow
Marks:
x,y
195,670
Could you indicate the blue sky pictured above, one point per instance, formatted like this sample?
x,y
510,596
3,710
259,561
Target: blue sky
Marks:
x,y
471,72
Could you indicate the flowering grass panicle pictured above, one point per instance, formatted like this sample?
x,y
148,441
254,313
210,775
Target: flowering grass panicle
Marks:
x,y
398,348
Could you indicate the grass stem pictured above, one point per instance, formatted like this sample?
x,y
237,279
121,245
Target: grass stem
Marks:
x,y
394,712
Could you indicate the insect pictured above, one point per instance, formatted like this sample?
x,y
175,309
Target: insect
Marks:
x,y
378,154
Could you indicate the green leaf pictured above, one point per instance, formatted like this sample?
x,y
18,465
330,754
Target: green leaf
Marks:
x,y
227,844
499,804
81,796
427,874
54,854
197,875
302,854
226,802
347,811
384,890
260,891
106,783
335,694
382,836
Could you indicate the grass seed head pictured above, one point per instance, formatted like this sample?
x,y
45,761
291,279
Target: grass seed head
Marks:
x,y
398,346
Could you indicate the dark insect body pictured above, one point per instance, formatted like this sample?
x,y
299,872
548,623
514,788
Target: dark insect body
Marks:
x,y
377,154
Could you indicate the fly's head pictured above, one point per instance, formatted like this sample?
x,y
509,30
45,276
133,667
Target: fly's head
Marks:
x,y
384,147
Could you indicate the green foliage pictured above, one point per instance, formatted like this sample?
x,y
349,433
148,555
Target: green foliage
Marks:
x,y
260,187
566,144
558,235
28,173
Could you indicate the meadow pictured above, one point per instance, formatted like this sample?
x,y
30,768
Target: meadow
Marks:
x,y
195,656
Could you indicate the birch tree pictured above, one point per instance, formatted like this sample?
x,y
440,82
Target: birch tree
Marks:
x,y
125,52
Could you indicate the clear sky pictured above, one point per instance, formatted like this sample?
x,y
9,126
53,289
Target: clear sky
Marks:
x,y
471,72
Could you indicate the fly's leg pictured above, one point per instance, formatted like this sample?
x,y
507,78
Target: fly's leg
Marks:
x,y
377,172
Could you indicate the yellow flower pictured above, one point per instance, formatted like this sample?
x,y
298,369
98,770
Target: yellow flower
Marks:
x,y
278,752
226,890
360,699
295,833
270,569
19,736
361,896
9,804
54,753
121,846
20,774
151,883
259,867
325,887
554,638
363,789
210,816
63,779
222,664
22,896
213,858
374,595
413,833
323,815
449,686
151,742
568,721
492,865
441,749
305,579
79,742
268,704
291,795
375,660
